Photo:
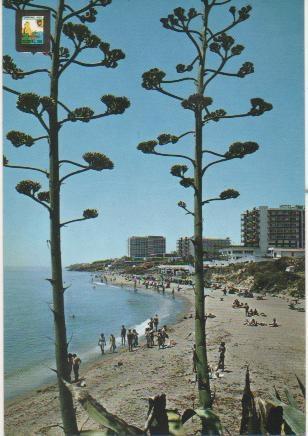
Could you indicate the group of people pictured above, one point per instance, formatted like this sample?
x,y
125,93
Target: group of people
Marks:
x,y
131,335
73,365
254,323
249,312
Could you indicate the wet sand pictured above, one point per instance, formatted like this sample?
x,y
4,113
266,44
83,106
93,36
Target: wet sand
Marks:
x,y
274,355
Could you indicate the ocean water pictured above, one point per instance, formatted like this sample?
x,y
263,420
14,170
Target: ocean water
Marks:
x,y
99,308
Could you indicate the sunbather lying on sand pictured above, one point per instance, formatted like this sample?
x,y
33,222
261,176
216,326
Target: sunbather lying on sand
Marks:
x,y
274,323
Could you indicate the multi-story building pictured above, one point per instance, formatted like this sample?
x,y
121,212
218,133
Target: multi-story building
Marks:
x,y
146,246
282,227
211,246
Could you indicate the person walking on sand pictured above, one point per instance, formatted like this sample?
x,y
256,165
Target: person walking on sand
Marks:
x,y
155,322
76,365
112,343
102,343
135,340
222,351
130,337
123,335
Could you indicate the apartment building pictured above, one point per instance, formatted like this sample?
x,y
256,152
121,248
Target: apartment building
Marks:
x,y
185,247
283,227
146,246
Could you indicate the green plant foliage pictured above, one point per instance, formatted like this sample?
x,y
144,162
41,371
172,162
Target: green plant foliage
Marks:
x,y
111,56
187,182
19,138
178,170
153,78
83,114
259,106
197,102
147,147
115,105
98,161
47,102
241,149
44,196
215,115
90,213
166,138
28,187
228,194
9,67
28,102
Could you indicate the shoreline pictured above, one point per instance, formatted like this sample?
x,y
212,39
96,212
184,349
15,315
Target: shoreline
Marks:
x,y
274,355
93,359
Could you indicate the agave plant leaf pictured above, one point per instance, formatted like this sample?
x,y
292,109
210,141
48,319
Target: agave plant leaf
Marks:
x,y
293,417
188,413
175,423
277,394
290,399
106,432
211,421
250,422
270,417
301,385
100,415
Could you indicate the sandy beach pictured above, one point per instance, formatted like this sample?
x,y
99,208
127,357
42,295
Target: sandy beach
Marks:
x,y
274,356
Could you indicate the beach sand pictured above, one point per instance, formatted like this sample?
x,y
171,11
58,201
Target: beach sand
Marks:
x,y
274,356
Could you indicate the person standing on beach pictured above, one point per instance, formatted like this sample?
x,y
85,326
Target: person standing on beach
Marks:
x,y
123,335
222,351
130,337
76,365
102,343
112,343
151,323
135,340
155,322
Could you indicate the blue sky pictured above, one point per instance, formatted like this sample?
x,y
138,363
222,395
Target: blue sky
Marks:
x,y
140,196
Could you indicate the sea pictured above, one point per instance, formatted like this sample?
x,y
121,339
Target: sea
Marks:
x,y
91,308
